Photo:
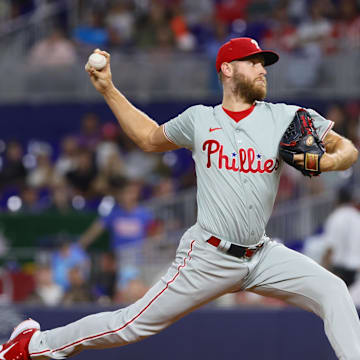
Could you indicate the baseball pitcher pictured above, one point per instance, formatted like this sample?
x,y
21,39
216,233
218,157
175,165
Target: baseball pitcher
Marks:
x,y
239,148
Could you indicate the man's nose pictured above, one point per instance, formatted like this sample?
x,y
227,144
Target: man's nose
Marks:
x,y
261,68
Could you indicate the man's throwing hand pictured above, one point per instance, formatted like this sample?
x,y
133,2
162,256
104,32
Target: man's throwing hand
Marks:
x,y
101,79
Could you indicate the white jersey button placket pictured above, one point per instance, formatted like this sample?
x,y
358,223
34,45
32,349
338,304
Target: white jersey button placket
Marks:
x,y
244,180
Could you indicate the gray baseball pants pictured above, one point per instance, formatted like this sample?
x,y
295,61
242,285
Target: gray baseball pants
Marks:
x,y
201,273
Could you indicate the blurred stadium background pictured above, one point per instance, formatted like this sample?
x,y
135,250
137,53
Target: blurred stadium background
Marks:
x,y
64,162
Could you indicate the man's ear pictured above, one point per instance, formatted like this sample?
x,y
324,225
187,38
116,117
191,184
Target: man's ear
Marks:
x,y
226,69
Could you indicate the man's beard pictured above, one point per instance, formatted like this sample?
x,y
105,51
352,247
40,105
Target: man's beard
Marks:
x,y
248,90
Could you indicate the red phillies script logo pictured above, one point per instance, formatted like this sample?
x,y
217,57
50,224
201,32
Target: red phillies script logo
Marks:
x,y
245,157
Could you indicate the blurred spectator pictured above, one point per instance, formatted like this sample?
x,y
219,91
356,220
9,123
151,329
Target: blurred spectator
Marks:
x,y
165,187
68,256
281,33
82,177
137,164
79,291
20,7
172,215
21,285
5,11
184,39
31,202
198,13
341,234
104,281
314,246
297,9
92,32
229,10
153,28
330,10
90,135
43,174
199,17
312,41
13,171
343,124
127,221
289,179
97,6
258,10
60,201
313,33
54,50
120,23
128,224
346,31
134,290
108,145
109,159
353,123
338,115
46,292
68,155
218,36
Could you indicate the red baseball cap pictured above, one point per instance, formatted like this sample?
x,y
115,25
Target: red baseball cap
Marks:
x,y
240,48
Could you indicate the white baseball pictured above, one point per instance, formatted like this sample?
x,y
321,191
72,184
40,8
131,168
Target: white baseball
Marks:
x,y
97,61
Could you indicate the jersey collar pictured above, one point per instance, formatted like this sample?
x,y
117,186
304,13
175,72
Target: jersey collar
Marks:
x,y
239,115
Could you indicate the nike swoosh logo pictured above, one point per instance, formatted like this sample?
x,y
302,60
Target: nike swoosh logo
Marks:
x,y
213,129
3,353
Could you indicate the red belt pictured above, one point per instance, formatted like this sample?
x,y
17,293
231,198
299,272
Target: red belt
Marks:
x,y
237,250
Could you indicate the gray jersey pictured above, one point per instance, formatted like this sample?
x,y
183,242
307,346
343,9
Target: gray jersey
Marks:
x,y
237,165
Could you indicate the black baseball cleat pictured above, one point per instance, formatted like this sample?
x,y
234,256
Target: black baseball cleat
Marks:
x,y
17,347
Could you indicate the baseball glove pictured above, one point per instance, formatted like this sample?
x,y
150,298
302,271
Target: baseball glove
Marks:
x,y
301,138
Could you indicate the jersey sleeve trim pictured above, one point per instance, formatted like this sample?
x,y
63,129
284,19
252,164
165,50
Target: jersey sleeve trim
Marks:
x,y
327,130
167,136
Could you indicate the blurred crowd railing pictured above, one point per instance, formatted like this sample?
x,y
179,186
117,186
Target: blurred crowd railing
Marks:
x,y
175,76
43,53
291,221
38,18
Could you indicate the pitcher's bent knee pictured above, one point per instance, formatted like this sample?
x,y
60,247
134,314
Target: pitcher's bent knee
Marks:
x,y
332,291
